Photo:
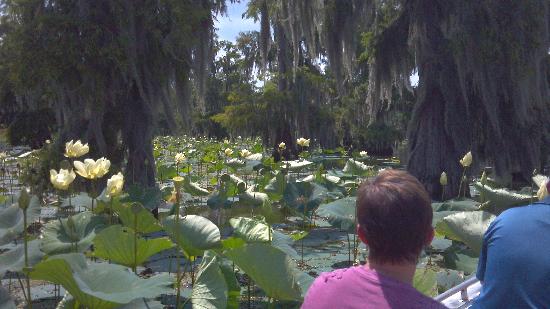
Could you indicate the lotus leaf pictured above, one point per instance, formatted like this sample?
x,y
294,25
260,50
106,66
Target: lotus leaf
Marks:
x,y
146,222
456,205
270,268
448,278
61,235
251,230
81,199
117,243
219,199
235,163
148,197
425,281
357,168
14,259
192,233
5,300
252,198
11,219
276,187
99,285
304,196
340,213
193,188
296,165
467,227
211,290
498,200
462,259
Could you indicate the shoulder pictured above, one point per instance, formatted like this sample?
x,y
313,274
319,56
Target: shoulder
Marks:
x,y
327,285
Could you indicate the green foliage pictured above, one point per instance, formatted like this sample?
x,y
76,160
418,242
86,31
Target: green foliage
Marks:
x,y
193,234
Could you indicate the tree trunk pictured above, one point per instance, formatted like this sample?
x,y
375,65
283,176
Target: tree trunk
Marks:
x,y
138,137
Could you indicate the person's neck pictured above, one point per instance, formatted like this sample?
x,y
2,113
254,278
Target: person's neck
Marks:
x,y
403,272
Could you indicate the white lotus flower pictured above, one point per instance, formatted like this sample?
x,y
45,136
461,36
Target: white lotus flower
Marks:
x,y
245,153
443,179
467,160
543,191
180,157
363,154
75,150
303,142
228,152
282,145
62,179
114,185
91,169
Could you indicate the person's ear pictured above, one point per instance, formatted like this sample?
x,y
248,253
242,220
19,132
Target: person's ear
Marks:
x,y
361,234
430,236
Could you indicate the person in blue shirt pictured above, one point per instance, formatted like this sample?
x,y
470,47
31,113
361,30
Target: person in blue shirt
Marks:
x,y
514,265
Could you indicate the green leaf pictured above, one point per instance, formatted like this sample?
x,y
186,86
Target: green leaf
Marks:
x,y
251,230
81,199
14,259
425,281
211,289
304,196
270,268
252,198
448,278
166,171
296,165
193,234
61,235
11,219
498,200
340,213
462,259
456,205
5,299
117,243
193,188
148,197
467,227
146,222
99,285
276,187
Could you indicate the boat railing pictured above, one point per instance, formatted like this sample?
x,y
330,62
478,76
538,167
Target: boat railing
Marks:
x,y
462,295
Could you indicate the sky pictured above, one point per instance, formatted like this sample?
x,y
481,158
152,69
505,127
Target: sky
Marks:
x,y
229,26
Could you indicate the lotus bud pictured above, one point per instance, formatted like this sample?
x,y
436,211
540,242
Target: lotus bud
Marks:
x,y
363,154
228,152
484,178
75,150
62,179
24,199
467,160
114,185
282,145
180,157
443,179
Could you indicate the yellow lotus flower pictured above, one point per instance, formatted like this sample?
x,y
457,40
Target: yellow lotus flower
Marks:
x,y
228,152
303,142
363,154
443,179
467,160
75,150
180,157
282,145
245,153
91,169
114,185
543,191
62,179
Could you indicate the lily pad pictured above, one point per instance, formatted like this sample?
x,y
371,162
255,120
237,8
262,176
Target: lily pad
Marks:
x,y
99,285
14,259
425,281
304,196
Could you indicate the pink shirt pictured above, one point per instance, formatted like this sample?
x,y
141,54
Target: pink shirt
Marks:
x,y
359,287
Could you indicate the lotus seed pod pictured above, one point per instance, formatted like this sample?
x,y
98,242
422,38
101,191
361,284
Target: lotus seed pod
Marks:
x,y
24,199
225,178
178,181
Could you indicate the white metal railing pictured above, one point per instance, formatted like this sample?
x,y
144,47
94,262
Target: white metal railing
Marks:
x,y
462,295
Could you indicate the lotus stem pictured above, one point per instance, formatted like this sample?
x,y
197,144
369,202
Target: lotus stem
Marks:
x,y
461,182
25,239
443,193
178,266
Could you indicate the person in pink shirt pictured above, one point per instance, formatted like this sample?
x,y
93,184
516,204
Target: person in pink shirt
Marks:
x,y
394,216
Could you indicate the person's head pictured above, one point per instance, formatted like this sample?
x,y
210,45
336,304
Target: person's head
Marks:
x,y
394,216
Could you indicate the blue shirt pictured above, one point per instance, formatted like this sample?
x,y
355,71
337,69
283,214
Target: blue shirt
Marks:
x,y
514,264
